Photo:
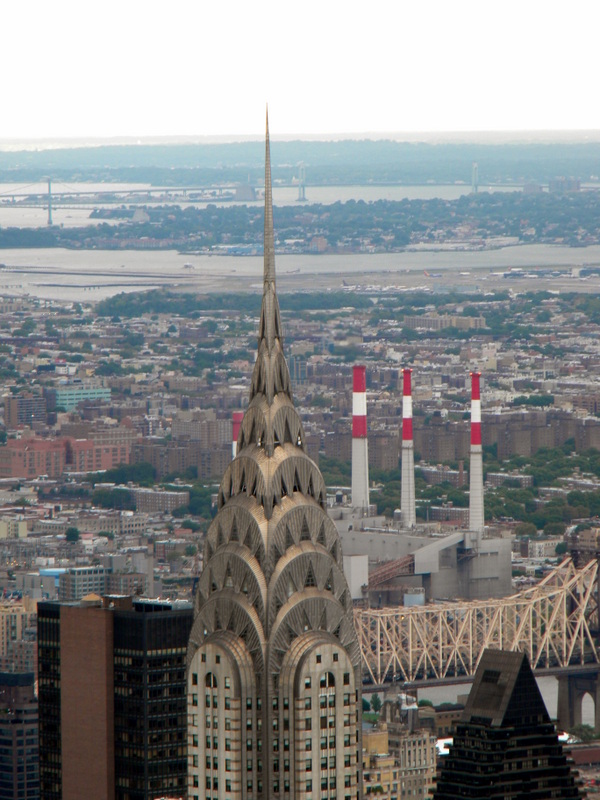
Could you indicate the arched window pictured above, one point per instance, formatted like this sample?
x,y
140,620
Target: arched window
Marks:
x,y
327,680
211,680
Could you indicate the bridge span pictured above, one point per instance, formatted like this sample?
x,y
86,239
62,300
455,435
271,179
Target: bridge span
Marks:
x,y
555,622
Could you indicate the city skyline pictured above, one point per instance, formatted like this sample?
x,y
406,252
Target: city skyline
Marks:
x,y
199,69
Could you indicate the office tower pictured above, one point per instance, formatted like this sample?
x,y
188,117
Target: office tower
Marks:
x,y
274,667
25,409
407,498
476,518
113,716
360,444
19,770
505,746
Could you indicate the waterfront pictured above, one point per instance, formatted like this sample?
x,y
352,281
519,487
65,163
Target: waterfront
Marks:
x,y
77,209
95,274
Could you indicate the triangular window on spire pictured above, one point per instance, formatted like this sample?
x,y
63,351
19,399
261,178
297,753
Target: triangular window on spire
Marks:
x,y
310,579
305,531
321,539
212,582
322,626
287,434
277,551
220,538
234,535
228,582
338,632
297,487
289,539
244,587
329,582
306,622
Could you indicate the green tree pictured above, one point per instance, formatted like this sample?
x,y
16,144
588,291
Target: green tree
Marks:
x,y
584,732
72,534
121,499
554,528
376,703
525,529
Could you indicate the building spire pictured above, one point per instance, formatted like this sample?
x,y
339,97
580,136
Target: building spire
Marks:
x,y
271,374
270,321
269,244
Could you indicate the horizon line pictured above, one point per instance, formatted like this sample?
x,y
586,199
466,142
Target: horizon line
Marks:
x,y
570,135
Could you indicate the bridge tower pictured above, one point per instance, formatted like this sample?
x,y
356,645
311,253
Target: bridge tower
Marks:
x,y
301,181
49,201
572,688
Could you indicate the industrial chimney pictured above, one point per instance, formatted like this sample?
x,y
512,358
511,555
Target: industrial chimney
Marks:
x,y
360,452
407,507
476,518
238,416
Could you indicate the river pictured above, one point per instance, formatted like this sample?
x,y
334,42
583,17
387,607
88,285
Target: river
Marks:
x,y
96,274
20,215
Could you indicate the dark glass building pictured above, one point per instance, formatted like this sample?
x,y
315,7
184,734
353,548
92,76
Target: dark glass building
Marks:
x,y
112,698
19,773
505,746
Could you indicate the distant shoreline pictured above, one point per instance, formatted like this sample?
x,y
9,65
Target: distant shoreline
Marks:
x,y
18,144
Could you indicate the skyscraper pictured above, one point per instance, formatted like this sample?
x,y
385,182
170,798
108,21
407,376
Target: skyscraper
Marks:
x,y
505,746
112,699
19,758
274,667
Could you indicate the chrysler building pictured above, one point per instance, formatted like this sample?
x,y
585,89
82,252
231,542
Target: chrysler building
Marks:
x,y
274,666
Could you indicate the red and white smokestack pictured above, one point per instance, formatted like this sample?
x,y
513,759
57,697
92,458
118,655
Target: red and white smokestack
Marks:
x,y
360,453
407,507
238,416
476,517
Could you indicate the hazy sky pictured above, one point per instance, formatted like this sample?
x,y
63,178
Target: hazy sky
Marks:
x,y
203,67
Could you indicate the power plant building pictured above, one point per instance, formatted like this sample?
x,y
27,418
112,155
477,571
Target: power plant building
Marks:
x,y
463,564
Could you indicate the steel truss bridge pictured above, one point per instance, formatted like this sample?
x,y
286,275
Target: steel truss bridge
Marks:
x,y
555,622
